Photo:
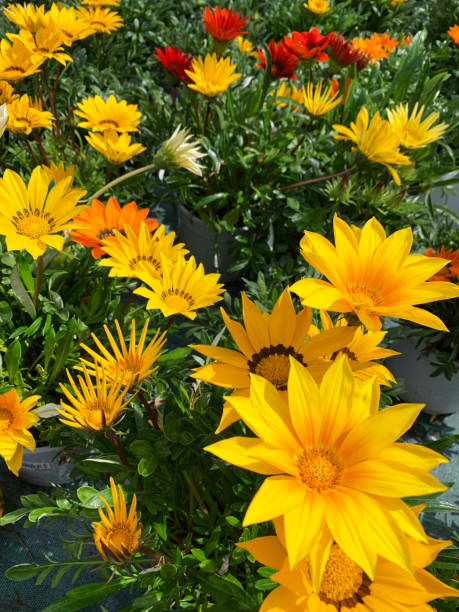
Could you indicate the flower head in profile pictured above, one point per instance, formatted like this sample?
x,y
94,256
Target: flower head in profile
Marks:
x,y
179,152
116,148
3,118
376,140
16,419
245,46
175,62
93,406
131,253
307,46
59,172
265,345
100,115
130,364
32,216
288,91
343,53
318,7
97,223
450,272
372,275
211,75
412,131
335,471
102,20
16,61
182,289
342,584
117,535
26,114
7,93
283,62
45,43
453,33
223,24
27,16
317,102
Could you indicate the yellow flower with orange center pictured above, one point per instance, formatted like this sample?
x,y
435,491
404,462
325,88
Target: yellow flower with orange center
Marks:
x,y
70,24
318,7
16,419
116,148
100,115
211,75
45,43
411,130
17,62
335,471
102,20
117,535
25,114
372,275
131,365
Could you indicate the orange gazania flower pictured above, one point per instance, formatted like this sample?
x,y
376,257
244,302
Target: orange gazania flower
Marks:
x,y
98,222
223,24
450,272
377,47
307,46
454,33
283,62
175,62
343,53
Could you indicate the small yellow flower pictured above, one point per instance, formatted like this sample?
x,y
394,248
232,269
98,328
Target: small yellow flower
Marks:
x,y
318,103
26,114
117,536
15,422
177,151
182,289
7,93
100,115
59,172
212,75
101,19
131,364
288,91
95,405
116,148
245,46
376,140
414,133
317,6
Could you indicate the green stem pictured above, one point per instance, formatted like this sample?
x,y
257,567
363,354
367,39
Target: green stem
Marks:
x,y
116,445
195,493
319,179
148,407
119,180
36,293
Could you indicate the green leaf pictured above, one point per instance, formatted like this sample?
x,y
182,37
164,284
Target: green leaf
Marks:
x,y
140,448
12,360
209,199
23,571
147,465
86,595
176,354
91,497
13,516
21,292
38,513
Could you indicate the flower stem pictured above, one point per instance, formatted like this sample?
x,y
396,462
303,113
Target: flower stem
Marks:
x,y
148,407
116,445
39,278
119,180
319,179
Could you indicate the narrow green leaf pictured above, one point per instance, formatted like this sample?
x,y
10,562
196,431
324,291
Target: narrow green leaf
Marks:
x,y
21,292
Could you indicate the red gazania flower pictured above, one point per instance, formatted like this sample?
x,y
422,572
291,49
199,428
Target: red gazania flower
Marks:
x,y
175,62
223,24
283,63
344,54
308,45
451,271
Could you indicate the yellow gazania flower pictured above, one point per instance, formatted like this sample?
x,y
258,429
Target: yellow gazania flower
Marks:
x,y
182,289
27,17
26,114
372,275
266,344
177,152
140,253
95,405
7,93
100,115
16,61
69,23
337,473
116,148
102,20
343,585
288,91
318,103
361,350
317,6
414,133
59,172
245,46
45,43
376,140
101,2
212,75
15,422
117,536
131,365
31,216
